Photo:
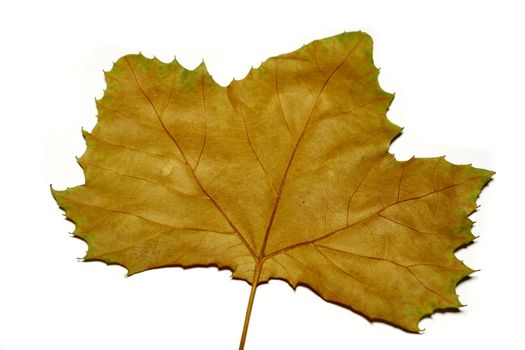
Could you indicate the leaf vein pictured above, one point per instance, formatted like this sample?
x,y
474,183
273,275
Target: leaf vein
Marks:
x,y
143,179
149,220
239,234
298,245
296,146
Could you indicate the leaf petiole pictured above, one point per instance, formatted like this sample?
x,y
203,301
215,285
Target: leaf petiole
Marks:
x,y
255,282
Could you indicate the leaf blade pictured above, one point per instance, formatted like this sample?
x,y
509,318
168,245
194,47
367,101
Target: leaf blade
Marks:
x,y
285,175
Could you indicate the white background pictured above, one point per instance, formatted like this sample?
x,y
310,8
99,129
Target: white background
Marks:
x,y
457,68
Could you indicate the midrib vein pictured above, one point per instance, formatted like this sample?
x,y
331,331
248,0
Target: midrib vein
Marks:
x,y
294,152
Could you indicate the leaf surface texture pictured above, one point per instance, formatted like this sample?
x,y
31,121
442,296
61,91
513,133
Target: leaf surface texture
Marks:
x,y
284,174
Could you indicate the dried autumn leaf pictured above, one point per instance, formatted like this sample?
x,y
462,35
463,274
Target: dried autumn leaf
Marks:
x,y
285,174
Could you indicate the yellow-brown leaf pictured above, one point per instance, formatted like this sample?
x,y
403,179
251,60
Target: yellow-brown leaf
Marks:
x,y
282,175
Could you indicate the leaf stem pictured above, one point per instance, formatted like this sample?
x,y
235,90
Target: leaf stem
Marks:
x,y
255,282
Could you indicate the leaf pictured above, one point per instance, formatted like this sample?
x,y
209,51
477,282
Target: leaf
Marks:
x,y
282,175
